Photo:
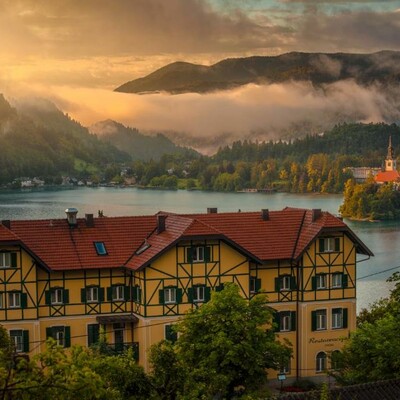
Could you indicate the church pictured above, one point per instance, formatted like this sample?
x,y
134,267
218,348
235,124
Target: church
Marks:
x,y
389,173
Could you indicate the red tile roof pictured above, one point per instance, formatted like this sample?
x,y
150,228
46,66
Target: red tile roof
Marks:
x,y
133,242
387,176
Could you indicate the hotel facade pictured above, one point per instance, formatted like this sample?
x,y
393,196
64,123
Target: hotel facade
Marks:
x,y
136,276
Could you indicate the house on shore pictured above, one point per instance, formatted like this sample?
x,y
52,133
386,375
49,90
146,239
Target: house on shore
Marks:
x,y
136,276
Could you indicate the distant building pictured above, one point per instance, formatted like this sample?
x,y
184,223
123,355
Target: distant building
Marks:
x,y
361,174
389,173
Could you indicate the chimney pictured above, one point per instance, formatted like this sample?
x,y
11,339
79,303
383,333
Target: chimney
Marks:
x,y
212,210
71,216
6,223
265,214
161,223
89,220
316,213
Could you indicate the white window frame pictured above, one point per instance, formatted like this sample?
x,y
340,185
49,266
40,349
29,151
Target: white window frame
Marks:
x,y
199,294
320,281
337,280
285,321
118,293
5,260
252,284
60,337
321,362
198,254
57,296
337,319
92,294
17,339
170,295
285,283
14,300
329,244
321,320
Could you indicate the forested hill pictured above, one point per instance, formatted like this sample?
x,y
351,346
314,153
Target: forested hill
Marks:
x,y
318,68
367,141
137,145
37,139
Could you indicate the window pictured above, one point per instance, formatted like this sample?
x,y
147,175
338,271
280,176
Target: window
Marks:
x,y
285,321
93,331
14,300
198,254
285,367
320,281
136,293
169,295
118,293
336,362
170,333
320,362
318,318
100,248
8,260
1,300
92,294
199,293
57,296
339,318
255,284
339,280
285,283
20,339
329,245
61,334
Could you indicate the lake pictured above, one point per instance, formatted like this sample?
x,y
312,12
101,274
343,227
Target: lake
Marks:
x,y
381,237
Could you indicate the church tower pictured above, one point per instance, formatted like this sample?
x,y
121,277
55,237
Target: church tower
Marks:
x,y
390,161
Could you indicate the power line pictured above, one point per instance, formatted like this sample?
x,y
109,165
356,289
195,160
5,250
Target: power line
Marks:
x,y
377,273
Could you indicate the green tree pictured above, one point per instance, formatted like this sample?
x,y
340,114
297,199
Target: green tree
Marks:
x,y
224,345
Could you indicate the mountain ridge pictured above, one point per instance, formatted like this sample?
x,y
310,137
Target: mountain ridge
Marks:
x,y
319,68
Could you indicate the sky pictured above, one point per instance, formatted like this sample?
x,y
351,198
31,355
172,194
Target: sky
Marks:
x,y
76,51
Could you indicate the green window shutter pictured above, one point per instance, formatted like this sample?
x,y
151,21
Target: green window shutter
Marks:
x,y
345,280
207,254
189,255
179,295
135,291
127,293
47,297
345,318
93,334
337,244
14,260
101,294
109,293
277,321
161,296
293,320
314,283
321,245
49,332
207,293
67,331
277,284
258,285
190,295
66,296
219,288
83,295
313,320
170,333
25,341
24,300
293,282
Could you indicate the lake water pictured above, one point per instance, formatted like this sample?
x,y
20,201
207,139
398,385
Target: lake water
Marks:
x,y
381,237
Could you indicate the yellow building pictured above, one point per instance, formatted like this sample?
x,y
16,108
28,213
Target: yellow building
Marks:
x,y
135,276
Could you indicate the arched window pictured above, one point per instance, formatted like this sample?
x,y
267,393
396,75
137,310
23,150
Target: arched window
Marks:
x,y
320,362
335,360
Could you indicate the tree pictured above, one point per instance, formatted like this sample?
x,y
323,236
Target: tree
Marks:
x,y
224,347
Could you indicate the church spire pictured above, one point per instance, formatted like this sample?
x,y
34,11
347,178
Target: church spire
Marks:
x,y
390,162
390,155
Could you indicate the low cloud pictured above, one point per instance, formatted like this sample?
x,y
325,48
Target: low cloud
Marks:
x,y
255,112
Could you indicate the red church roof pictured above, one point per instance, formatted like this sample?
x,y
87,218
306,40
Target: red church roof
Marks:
x,y
387,176
134,242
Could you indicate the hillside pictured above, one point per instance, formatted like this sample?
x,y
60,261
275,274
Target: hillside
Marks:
x,y
137,145
318,68
37,139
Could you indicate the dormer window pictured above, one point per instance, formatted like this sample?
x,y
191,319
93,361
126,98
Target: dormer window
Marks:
x,y
100,248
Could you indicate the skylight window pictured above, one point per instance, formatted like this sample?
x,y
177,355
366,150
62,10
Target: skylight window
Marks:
x,y
144,247
100,248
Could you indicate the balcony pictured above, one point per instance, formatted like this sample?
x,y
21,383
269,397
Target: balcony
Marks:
x,y
119,348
